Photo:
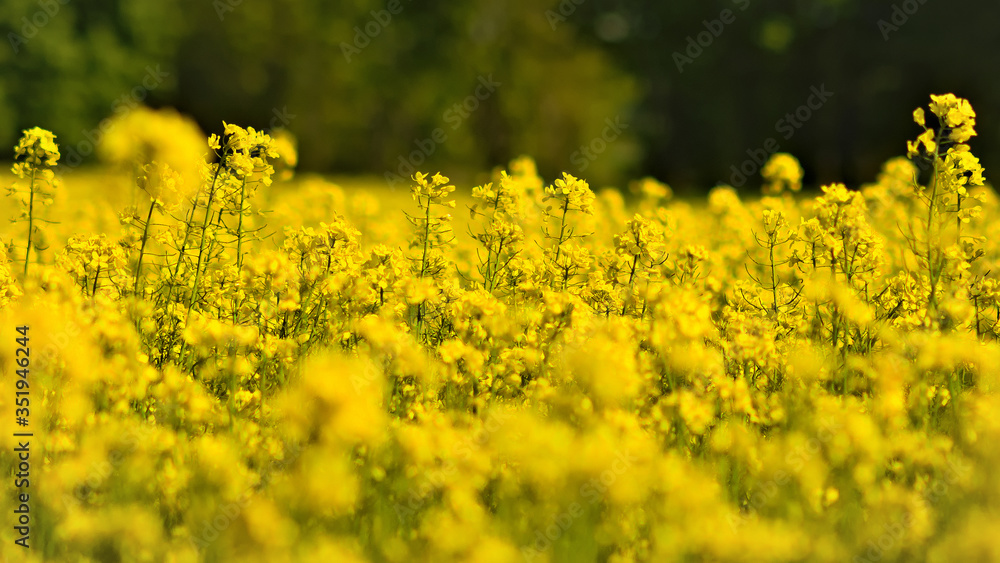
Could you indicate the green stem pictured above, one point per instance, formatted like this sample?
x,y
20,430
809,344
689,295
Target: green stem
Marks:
x,y
201,250
142,247
423,263
631,277
427,236
31,212
239,229
562,228
958,216
180,254
774,280
201,243
931,273
97,276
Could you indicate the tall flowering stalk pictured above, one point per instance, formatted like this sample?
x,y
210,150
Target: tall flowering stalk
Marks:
x,y
953,170
34,157
433,231
640,245
243,159
497,205
571,195
165,153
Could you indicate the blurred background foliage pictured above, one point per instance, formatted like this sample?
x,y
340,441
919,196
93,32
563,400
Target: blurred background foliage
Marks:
x,y
363,103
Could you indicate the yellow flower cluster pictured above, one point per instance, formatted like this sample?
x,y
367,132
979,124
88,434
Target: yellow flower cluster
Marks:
x,y
245,152
36,149
782,172
166,149
304,372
